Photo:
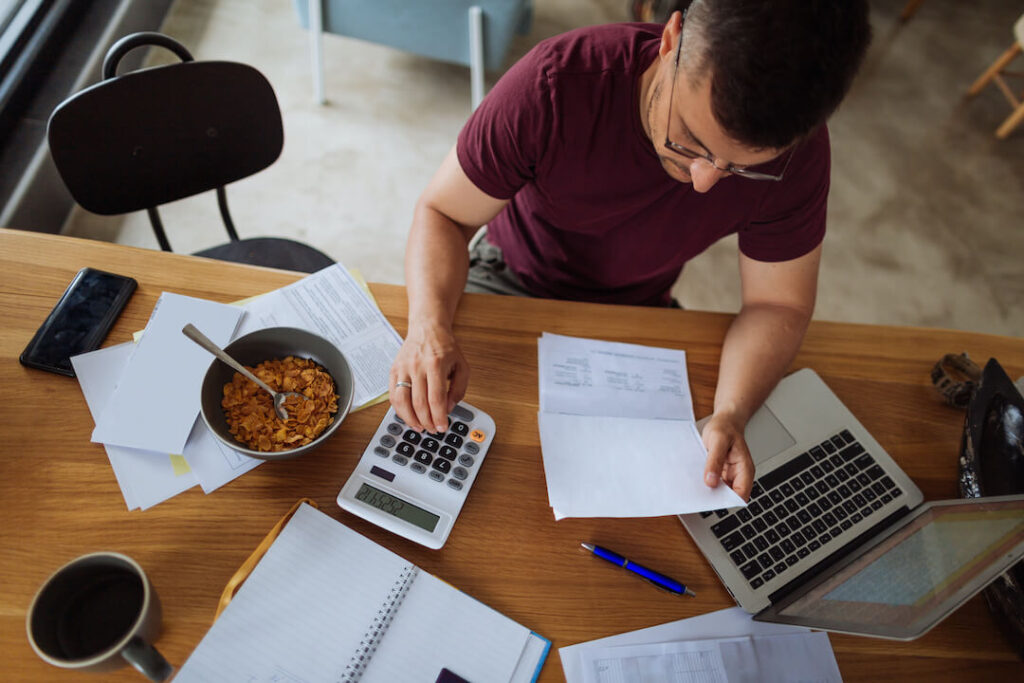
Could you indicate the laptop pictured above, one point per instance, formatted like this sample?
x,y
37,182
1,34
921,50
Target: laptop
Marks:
x,y
837,537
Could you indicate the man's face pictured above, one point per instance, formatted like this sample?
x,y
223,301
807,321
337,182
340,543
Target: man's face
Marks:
x,y
683,115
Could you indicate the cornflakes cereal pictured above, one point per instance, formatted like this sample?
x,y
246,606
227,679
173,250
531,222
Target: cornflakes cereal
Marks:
x,y
249,410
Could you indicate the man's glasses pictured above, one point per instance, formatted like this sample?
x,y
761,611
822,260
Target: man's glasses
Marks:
x,y
694,154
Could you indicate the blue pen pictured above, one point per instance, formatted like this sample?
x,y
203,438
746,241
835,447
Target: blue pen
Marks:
x,y
659,580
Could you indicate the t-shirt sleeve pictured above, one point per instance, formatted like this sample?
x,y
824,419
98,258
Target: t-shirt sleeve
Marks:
x,y
503,141
790,221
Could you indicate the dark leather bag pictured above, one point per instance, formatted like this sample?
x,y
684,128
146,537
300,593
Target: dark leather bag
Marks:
x,y
992,464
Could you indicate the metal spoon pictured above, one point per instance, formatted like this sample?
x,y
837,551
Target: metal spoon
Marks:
x,y
198,337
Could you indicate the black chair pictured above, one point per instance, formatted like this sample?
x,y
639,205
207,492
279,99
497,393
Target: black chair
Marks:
x,y
156,135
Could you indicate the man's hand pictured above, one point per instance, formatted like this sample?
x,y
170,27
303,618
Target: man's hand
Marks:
x,y
728,456
431,362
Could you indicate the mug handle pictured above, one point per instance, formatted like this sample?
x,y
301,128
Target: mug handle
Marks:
x,y
147,660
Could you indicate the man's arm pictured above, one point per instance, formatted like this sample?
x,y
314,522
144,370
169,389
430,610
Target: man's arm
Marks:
x,y
450,209
778,301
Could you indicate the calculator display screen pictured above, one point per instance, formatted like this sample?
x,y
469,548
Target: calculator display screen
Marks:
x,y
385,502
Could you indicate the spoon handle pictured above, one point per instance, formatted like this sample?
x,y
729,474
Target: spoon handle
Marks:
x,y
198,337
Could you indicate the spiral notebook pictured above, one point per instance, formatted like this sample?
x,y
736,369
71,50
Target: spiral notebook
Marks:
x,y
327,604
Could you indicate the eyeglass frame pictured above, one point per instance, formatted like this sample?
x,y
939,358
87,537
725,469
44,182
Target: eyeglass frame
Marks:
x,y
706,156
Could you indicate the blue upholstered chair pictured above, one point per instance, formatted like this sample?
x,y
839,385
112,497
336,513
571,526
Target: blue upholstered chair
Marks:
x,y
474,33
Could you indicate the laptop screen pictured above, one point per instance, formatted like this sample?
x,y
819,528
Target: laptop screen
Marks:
x,y
904,585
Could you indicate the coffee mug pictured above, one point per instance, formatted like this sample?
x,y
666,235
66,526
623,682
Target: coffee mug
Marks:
x,y
96,613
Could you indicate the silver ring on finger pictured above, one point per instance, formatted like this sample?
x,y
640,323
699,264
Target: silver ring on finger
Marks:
x,y
407,385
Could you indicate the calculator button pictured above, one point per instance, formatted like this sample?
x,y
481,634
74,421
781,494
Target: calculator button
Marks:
x,y
382,473
411,436
430,445
405,449
417,467
466,460
457,485
423,457
463,413
448,452
398,419
472,448
442,465
452,440
435,475
460,473
460,428
394,428
477,435
387,441
382,452
399,459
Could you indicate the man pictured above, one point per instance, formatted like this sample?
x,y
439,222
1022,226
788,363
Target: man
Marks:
x,y
609,156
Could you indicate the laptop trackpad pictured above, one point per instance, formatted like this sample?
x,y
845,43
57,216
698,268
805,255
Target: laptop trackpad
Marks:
x,y
766,436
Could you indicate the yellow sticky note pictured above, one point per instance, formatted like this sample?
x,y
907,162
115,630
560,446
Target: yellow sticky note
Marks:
x,y
180,465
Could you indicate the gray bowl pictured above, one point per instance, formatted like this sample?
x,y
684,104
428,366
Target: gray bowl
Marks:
x,y
269,344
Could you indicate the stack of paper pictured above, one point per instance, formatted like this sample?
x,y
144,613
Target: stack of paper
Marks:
x,y
725,646
617,431
144,396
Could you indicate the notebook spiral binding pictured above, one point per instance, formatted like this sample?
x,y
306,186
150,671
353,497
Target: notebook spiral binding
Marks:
x,y
371,639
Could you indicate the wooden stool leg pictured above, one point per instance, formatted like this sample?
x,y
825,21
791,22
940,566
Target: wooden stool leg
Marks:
x,y
909,9
1010,123
990,72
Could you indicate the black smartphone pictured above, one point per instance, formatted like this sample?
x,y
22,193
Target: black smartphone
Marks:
x,y
80,320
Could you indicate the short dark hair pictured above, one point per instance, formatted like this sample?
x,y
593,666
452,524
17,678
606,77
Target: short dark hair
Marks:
x,y
779,68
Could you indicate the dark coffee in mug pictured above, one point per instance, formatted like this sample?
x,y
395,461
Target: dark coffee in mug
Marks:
x,y
99,612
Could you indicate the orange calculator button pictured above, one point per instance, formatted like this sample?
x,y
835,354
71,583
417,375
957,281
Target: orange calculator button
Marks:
x,y
477,435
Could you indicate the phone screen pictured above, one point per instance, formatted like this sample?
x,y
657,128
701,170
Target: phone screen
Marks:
x,y
80,320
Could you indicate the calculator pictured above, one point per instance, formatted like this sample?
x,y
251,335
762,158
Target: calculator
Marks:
x,y
415,483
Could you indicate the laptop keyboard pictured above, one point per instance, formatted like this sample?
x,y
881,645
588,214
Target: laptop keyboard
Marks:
x,y
831,490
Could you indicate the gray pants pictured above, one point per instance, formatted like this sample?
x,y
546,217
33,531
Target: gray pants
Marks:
x,y
488,273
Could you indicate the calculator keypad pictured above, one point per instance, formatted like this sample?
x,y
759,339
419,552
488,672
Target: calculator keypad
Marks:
x,y
434,454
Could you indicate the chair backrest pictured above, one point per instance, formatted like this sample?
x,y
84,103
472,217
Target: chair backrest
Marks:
x,y
155,135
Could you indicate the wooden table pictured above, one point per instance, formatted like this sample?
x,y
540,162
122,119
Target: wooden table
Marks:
x,y
59,499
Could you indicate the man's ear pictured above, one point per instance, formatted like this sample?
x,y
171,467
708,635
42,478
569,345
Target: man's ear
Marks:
x,y
670,34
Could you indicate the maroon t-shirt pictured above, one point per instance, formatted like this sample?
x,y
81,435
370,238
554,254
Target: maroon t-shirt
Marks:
x,y
593,215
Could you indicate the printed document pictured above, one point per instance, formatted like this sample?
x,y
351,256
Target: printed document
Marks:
x,y
331,303
749,659
749,651
617,431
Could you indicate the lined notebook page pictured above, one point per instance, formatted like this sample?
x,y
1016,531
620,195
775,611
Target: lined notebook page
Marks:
x,y
303,611
438,627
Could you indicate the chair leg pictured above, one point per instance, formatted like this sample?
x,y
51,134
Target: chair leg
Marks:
x,y
316,32
909,9
476,55
991,72
1010,123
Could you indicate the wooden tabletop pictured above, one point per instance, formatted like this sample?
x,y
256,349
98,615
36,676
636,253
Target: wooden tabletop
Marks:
x,y
59,498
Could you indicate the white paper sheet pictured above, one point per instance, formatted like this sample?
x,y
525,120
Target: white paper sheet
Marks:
x,y
214,463
726,623
156,402
691,661
748,659
590,377
617,432
331,303
145,477
625,467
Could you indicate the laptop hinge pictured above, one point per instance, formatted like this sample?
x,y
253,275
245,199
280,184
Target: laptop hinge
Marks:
x,y
830,560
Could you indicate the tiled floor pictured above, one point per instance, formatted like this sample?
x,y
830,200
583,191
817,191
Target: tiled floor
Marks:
x,y
925,211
